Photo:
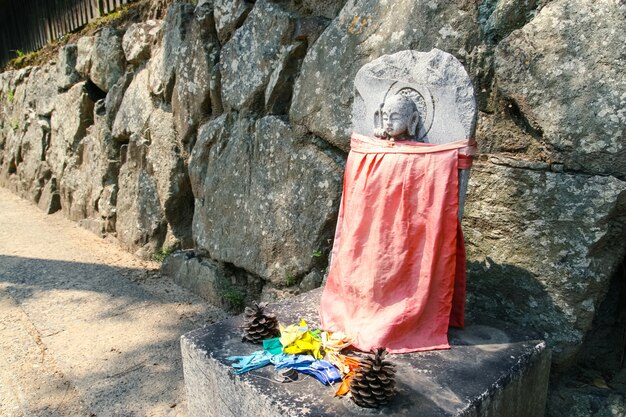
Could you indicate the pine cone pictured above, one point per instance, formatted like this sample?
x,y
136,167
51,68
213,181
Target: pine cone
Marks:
x,y
374,383
259,324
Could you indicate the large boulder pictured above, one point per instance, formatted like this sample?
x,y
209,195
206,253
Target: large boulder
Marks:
x,y
249,58
107,58
141,225
164,62
89,181
138,40
154,202
565,72
31,169
230,15
72,116
196,89
22,166
266,197
67,74
41,89
166,164
135,108
324,8
542,247
84,47
362,32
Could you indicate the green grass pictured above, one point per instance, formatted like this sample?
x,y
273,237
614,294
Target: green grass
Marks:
x,y
316,254
234,297
290,280
10,96
162,254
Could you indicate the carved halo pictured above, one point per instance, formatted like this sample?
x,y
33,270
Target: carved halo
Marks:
x,y
423,99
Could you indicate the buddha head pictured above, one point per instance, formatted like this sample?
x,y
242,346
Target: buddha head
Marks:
x,y
399,118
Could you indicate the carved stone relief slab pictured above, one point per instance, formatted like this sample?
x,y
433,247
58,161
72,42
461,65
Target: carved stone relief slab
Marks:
x,y
436,81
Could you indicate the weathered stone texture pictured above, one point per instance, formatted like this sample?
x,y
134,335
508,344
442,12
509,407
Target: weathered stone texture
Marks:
x,y
107,58
91,170
220,284
41,89
249,58
166,164
72,115
135,108
266,198
66,64
164,64
565,72
229,15
196,94
23,148
141,225
542,247
83,55
325,8
138,40
363,31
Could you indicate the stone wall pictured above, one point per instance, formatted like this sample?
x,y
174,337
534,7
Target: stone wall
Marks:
x,y
225,127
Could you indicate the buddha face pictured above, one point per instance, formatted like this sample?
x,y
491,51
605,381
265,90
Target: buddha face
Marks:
x,y
400,117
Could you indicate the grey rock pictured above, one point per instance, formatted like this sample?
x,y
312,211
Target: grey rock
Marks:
x,y
156,68
32,149
135,109
219,284
83,54
565,74
93,166
166,164
272,293
107,58
141,225
280,86
115,96
364,31
249,58
164,63
138,40
196,90
67,74
498,18
69,121
230,15
311,281
435,81
21,159
542,247
324,8
41,89
309,29
50,200
265,197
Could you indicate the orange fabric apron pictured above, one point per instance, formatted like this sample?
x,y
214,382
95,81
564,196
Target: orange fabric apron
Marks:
x,y
397,273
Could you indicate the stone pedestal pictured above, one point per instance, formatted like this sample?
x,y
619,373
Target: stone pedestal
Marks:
x,y
489,371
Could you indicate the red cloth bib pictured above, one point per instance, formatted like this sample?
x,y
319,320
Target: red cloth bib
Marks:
x,y
397,273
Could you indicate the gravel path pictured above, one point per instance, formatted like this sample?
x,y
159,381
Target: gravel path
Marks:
x,y
86,329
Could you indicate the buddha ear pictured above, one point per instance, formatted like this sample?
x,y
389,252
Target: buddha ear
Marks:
x,y
413,123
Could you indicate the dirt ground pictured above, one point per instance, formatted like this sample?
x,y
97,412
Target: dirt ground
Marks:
x,y
86,329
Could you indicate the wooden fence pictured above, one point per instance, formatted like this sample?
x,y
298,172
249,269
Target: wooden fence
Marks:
x,y
27,25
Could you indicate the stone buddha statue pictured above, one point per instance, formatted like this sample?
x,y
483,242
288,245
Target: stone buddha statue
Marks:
x,y
397,119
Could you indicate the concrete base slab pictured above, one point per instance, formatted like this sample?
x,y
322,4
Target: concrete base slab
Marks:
x,y
489,371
